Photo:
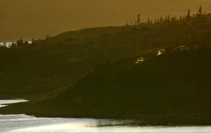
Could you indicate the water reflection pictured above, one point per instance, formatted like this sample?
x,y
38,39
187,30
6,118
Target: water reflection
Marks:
x,y
29,124
4,103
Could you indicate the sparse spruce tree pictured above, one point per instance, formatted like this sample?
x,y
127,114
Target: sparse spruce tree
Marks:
x,y
139,19
158,20
13,44
166,19
33,40
200,12
169,18
148,21
188,17
20,42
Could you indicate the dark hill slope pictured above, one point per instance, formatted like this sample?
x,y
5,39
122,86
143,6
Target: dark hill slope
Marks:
x,y
174,83
39,69
173,88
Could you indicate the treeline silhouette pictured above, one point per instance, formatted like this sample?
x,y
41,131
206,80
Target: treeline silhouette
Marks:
x,y
21,42
189,18
8,45
200,16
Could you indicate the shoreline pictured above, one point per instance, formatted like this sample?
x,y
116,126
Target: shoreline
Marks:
x,y
169,120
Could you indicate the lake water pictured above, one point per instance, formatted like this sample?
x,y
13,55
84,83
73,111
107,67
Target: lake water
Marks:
x,y
29,124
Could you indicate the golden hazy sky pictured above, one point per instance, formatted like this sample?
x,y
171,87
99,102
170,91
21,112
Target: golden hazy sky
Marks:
x,y
36,18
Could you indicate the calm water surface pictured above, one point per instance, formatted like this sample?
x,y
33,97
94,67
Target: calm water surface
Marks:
x,y
29,124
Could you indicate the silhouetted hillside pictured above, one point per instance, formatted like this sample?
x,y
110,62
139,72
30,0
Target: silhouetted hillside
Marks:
x,y
157,73
170,86
47,65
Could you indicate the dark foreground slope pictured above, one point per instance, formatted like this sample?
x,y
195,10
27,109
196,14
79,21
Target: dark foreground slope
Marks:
x,y
54,63
57,62
171,89
50,64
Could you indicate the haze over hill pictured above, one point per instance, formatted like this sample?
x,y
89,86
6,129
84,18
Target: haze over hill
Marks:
x,y
36,18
